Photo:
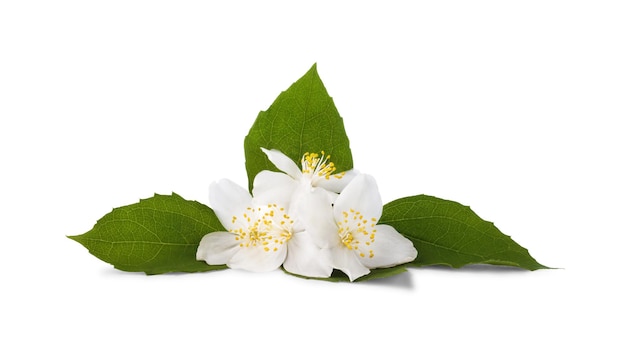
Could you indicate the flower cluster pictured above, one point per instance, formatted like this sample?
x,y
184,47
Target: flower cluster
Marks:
x,y
309,220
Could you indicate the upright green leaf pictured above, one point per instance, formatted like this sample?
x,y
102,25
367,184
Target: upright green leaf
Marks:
x,y
156,235
302,119
446,232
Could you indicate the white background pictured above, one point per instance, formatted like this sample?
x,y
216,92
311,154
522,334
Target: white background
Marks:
x,y
513,108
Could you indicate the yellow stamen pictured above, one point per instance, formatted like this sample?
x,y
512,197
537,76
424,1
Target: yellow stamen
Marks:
x,y
263,226
318,165
356,228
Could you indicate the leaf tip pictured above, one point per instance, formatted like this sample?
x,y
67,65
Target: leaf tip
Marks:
x,y
75,238
78,238
313,70
540,266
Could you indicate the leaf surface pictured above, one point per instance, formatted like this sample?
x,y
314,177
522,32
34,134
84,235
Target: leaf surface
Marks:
x,y
448,233
302,119
157,235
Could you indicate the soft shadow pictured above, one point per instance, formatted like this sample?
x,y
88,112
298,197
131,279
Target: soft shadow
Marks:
x,y
111,271
121,273
477,268
400,281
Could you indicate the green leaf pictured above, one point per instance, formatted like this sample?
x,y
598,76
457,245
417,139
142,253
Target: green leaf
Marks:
x,y
448,233
156,235
338,276
302,119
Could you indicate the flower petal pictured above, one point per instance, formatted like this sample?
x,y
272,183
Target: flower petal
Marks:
x,y
273,187
337,182
298,205
315,213
390,249
227,200
217,248
256,259
283,162
347,261
362,195
304,258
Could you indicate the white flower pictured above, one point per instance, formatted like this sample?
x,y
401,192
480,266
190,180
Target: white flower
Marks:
x,y
350,231
298,220
260,236
317,172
